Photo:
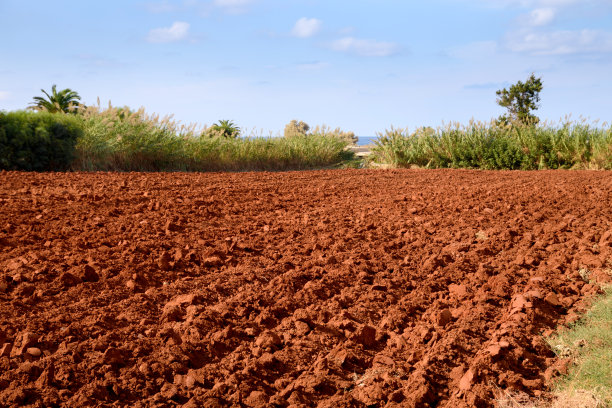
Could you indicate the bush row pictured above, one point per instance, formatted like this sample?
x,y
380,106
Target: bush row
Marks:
x,y
38,141
495,146
122,140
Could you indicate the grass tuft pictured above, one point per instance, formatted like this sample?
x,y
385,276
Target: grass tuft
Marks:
x,y
589,343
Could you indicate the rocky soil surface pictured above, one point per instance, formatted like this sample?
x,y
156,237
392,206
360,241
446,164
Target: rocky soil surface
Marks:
x,y
345,288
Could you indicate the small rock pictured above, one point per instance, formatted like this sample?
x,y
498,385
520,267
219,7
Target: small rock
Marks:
x,y
169,391
186,299
5,351
27,290
552,299
172,313
144,368
47,377
113,356
381,360
189,380
69,279
494,350
170,227
164,261
257,399
34,351
520,302
466,381
301,328
534,294
365,335
444,317
459,291
178,254
88,274
302,315
268,340
130,284
212,261
24,340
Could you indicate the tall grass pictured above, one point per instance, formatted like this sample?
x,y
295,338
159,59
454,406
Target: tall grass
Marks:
x,y
572,145
116,139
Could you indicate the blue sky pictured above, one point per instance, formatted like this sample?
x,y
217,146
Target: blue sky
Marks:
x,y
362,65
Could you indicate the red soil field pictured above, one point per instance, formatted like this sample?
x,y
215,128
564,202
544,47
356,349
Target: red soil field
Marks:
x,y
345,288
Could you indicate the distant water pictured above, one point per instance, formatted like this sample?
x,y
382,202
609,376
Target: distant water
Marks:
x,y
366,140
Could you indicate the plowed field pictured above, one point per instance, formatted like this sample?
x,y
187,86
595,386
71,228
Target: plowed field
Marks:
x,y
347,288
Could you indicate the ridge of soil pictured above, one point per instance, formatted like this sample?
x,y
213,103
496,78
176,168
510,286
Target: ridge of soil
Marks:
x,y
341,288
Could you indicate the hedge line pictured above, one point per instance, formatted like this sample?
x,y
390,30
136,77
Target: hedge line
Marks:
x,y
37,141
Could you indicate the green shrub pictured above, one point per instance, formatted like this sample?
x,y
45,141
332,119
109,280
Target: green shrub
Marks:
x,y
37,141
224,128
118,139
348,137
296,128
299,128
497,146
268,153
122,139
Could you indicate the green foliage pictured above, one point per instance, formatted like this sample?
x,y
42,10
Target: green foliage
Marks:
x,y
495,146
37,141
64,101
348,137
589,342
295,128
115,139
268,153
225,128
520,100
123,139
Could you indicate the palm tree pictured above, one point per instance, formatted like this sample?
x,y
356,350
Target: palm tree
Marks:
x,y
225,128
65,101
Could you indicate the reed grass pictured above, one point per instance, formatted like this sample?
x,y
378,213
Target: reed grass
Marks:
x,y
570,145
115,139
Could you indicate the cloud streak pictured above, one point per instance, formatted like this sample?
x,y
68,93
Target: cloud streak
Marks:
x,y
364,47
178,31
306,27
562,42
541,17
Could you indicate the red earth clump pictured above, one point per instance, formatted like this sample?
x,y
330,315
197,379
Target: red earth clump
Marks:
x,y
345,288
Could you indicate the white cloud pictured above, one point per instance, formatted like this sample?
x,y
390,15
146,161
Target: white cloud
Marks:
x,y
541,16
4,95
561,42
365,48
177,32
306,27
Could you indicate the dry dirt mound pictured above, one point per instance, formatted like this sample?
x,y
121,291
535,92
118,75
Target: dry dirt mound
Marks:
x,y
328,288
